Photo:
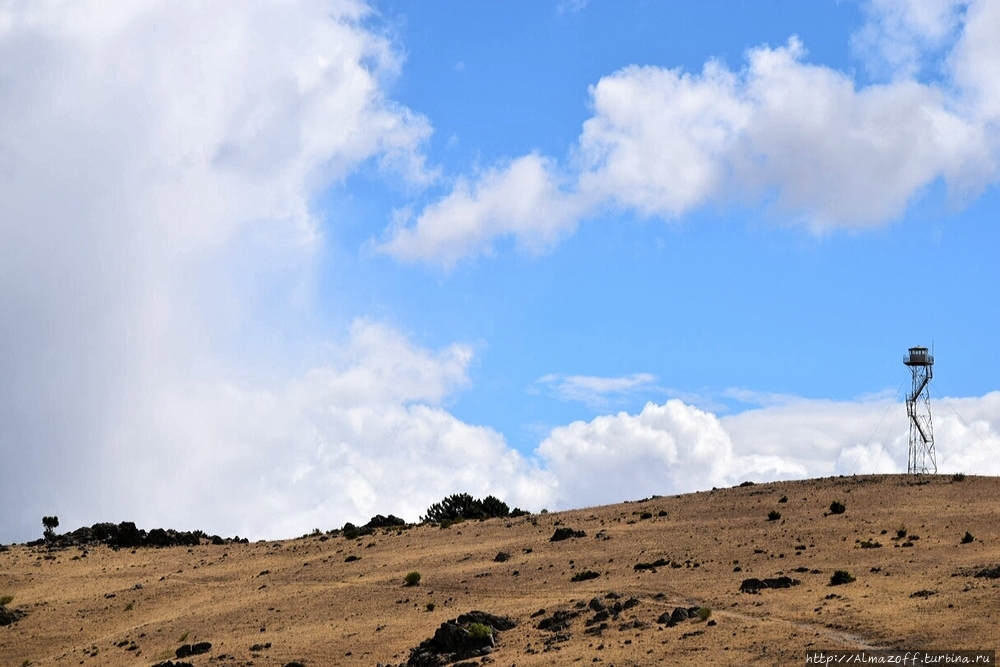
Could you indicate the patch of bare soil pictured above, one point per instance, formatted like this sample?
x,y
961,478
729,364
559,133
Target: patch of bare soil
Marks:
x,y
652,582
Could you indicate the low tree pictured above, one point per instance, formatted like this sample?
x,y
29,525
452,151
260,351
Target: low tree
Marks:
x,y
50,523
462,506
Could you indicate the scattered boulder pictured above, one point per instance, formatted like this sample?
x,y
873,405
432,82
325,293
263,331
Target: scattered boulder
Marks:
x,y
558,621
379,521
196,649
566,533
501,557
471,635
755,585
989,573
9,616
169,663
124,535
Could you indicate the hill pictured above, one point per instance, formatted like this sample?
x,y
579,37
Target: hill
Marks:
x,y
328,600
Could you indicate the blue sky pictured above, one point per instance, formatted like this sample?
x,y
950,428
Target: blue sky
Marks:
x,y
346,258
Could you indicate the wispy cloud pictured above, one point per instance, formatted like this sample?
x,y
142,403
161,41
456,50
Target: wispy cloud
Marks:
x,y
597,391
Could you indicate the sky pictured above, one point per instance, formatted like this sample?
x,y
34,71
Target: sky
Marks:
x,y
269,267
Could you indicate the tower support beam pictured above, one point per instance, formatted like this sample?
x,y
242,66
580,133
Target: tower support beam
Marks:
x,y
921,458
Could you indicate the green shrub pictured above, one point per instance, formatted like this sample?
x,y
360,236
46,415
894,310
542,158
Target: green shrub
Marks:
x,y
773,515
480,630
870,544
967,538
585,575
841,577
459,506
783,499
901,532
958,477
412,578
430,606
837,507
704,613
6,599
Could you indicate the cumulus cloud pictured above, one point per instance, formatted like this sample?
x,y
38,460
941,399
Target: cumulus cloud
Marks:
x,y
522,199
677,448
157,161
593,390
364,433
824,151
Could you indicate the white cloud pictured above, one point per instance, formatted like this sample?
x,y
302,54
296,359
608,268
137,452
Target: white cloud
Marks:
x,y
362,434
897,36
665,449
676,448
522,199
827,152
596,391
156,165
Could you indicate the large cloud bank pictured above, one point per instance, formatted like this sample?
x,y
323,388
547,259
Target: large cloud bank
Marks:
x,y
824,151
157,162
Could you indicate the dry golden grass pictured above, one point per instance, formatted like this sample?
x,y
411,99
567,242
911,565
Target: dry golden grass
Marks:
x,y
299,595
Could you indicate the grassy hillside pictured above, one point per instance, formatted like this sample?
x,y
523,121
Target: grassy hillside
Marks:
x,y
328,600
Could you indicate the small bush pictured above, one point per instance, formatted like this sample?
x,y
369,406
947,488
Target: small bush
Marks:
x,y
837,507
958,477
130,606
773,515
6,599
901,532
870,544
704,613
662,513
412,578
480,630
646,515
967,538
841,577
585,575
783,499
430,606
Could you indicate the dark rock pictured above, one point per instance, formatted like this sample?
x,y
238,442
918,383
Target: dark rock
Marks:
x,y
679,614
631,602
129,536
566,533
501,557
496,622
558,621
596,605
159,538
294,663
540,612
8,616
755,585
989,573
169,663
201,647
453,641
183,651
664,618
379,521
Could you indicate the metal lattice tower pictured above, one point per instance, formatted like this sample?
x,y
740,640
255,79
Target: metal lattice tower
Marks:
x,y
918,406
